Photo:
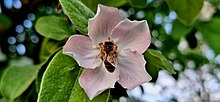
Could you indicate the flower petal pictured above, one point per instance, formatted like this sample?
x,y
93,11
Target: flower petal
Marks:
x,y
95,81
134,35
101,25
132,69
80,48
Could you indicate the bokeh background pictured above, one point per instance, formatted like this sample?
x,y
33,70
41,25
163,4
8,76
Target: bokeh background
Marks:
x,y
191,48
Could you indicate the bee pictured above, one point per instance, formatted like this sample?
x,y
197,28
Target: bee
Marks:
x,y
108,54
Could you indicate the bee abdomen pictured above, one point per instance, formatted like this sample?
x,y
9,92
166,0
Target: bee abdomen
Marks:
x,y
109,66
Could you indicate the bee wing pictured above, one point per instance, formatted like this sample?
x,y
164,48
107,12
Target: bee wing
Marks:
x,y
113,60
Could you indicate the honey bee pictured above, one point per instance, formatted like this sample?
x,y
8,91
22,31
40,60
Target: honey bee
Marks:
x,y
108,54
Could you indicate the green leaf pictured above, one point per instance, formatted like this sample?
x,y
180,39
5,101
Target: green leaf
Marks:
x,y
16,79
60,82
93,4
78,14
179,30
211,33
215,2
54,27
157,60
152,70
43,68
138,3
78,94
24,60
186,10
58,79
5,22
2,69
115,3
4,100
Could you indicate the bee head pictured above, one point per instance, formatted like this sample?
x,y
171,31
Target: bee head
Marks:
x,y
108,45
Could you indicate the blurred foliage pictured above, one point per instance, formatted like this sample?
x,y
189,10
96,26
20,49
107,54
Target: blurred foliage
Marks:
x,y
12,87
40,28
187,10
5,22
211,31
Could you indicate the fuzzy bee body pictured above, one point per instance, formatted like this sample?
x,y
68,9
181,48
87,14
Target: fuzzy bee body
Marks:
x,y
108,54
109,66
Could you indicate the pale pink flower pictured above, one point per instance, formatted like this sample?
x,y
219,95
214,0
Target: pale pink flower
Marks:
x,y
126,64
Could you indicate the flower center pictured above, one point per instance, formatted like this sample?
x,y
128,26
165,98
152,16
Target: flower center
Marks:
x,y
108,54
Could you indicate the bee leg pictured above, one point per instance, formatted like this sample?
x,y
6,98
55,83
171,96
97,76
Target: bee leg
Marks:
x,y
101,46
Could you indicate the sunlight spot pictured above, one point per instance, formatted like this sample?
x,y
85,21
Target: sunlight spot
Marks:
x,y
172,55
8,4
131,11
136,92
17,4
149,1
12,48
182,45
21,49
155,33
158,18
31,16
20,37
177,66
166,80
140,14
11,40
19,28
217,59
0,9
124,13
151,88
210,54
27,23
167,19
34,39
122,99
172,15
158,43
168,28
49,10
161,38
191,64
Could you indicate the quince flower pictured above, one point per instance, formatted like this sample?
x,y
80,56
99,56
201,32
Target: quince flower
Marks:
x,y
112,52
